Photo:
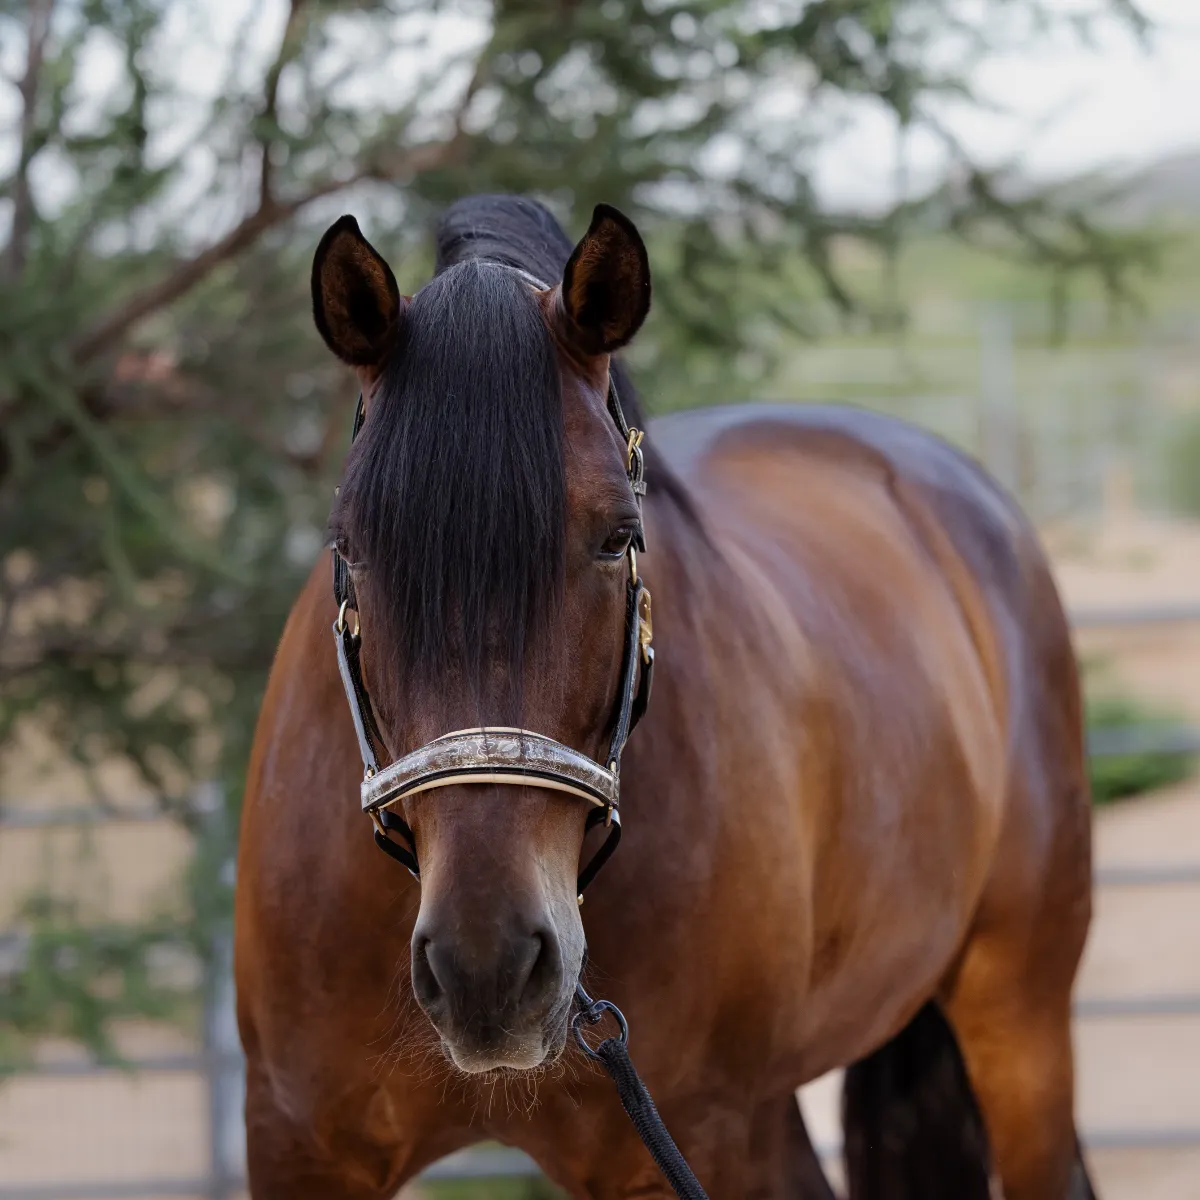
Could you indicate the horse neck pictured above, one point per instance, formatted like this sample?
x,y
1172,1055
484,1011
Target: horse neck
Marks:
x,y
718,617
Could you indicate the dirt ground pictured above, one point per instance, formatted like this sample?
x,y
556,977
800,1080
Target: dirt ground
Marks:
x,y
1129,565
1136,1075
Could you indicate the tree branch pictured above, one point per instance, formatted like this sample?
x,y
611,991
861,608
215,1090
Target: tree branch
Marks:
x,y
478,78
123,474
270,211
22,218
243,235
289,44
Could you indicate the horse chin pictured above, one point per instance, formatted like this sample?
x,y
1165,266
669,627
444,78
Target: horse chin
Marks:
x,y
512,1053
517,1054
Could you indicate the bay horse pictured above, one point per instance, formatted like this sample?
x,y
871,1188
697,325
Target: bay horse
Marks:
x,y
857,819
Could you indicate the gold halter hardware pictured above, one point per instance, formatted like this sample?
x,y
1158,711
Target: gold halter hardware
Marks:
x,y
340,624
632,446
645,624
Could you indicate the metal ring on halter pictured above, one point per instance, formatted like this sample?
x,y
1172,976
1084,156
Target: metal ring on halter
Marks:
x,y
632,445
591,1012
340,624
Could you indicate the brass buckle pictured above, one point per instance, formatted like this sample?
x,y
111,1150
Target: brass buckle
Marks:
x,y
635,463
632,446
645,624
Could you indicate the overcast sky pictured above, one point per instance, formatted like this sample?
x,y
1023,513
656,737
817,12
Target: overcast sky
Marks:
x,y
1072,109
1067,108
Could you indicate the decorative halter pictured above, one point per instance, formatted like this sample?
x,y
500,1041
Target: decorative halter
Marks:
x,y
497,754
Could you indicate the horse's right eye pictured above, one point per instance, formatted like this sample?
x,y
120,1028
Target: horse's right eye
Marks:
x,y
617,544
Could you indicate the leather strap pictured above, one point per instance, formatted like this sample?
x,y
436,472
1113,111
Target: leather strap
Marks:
x,y
623,725
599,816
645,685
348,645
343,581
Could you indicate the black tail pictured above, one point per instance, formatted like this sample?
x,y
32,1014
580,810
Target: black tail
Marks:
x,y
912,1127
1081,1184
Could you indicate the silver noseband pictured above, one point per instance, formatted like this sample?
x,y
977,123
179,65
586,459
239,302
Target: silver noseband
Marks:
x,y
491,754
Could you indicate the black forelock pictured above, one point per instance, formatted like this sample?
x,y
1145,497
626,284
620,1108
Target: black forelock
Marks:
x,y
454,492
515,230
454,496
522,233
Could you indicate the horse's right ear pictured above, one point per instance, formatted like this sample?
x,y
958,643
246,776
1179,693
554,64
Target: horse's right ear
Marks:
x,y
356,302
605,290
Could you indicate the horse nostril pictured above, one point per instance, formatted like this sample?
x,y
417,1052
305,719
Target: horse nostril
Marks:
x,y
545,971
426,985
492,983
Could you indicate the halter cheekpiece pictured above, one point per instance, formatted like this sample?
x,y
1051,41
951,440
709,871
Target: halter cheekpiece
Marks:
x,y
498,754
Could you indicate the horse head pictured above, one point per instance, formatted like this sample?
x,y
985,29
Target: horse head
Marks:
x,y
487,516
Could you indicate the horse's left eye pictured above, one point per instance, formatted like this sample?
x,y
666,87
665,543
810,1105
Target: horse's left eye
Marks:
x,y
616,545
342,545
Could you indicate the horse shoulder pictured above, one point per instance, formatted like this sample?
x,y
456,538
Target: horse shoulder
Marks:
x,y
311,884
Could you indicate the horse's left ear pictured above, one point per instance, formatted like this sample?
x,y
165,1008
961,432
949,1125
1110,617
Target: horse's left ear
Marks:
x,y
605,292
356,301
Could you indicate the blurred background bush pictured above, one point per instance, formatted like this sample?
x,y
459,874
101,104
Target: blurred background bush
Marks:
x,y
835,211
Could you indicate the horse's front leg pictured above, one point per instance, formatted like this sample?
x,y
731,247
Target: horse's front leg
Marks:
x,y
287,1160
782,1161
351,1151
763,1155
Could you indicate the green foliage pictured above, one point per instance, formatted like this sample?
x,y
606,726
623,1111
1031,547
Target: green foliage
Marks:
x,y
492,1189
1121,776
74,980
170,427
1183,464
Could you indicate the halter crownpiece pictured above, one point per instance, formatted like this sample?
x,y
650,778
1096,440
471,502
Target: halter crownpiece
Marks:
x,y
495,754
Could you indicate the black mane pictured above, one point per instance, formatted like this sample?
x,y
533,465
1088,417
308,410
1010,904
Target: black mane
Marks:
x,y
454,494
521,233
513,230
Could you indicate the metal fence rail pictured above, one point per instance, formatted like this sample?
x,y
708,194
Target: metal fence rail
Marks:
x,y
195,1188
1126,618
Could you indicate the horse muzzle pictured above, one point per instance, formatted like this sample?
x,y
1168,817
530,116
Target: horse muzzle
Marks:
x,y
499,1002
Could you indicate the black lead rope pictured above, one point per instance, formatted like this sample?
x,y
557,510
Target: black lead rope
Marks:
x,y
613,1056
